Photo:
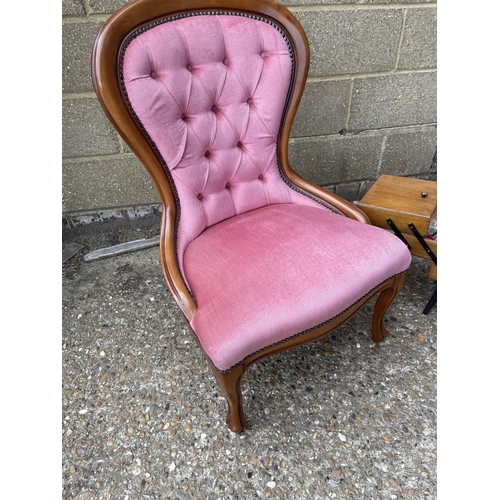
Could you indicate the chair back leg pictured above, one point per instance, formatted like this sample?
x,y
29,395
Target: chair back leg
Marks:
x,y
385,299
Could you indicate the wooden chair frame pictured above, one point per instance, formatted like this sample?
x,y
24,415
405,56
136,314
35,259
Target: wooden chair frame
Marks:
x,y
106,81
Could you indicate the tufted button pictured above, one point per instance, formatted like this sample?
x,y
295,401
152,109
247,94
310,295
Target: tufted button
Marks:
x,y
200,196
239,145
183,117
215,109
227,185
153,74
249,101
189,67
207,154
226,61
263,55
261,177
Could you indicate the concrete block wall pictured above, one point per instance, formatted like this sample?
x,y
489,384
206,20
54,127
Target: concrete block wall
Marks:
x,y
369,106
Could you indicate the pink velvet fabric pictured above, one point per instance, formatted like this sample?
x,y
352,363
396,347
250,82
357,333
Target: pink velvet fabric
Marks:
x,y
271,273
210,91
262,261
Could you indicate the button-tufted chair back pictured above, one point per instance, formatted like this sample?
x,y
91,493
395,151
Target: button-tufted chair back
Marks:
x,y
209,90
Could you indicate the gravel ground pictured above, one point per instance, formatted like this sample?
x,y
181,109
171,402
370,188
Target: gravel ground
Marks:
x,y
143,417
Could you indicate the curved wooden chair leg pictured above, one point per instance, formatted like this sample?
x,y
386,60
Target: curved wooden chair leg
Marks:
x,y
385,299
230,383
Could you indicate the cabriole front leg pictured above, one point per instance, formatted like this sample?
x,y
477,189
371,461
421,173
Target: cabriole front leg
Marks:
x,y
385,299
230,383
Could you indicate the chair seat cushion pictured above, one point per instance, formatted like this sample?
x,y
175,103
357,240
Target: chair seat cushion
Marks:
x,y
269,274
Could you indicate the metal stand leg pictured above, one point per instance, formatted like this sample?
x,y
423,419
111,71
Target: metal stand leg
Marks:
x,y
431,303
425,246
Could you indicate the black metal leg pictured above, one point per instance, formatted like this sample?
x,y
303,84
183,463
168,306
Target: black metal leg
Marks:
x,y
431,303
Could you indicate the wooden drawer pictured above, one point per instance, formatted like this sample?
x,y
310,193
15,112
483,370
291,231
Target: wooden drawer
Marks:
x,y
400,199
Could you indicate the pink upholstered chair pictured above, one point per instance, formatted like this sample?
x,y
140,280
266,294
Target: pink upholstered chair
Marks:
x,y
259,259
